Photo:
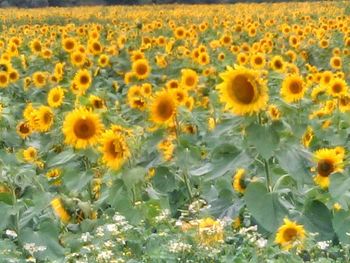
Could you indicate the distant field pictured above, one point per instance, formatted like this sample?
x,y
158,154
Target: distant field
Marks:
x,y
175,133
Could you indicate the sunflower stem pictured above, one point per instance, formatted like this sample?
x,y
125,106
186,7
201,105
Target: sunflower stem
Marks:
x,y
187,183
267,174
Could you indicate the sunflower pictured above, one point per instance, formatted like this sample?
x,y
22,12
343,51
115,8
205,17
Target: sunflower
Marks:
x,y
242,58
290,235
180,94
257,61
293,88
163,107
189,79
336,62
36,46
136,55
103,61
344,103
210,231
97,102
141,68
239,184
69,44
146,89
4,79
337,87
95,47
277,64
39,79
78,58
114,149
23,129
82,80
243,91
55,97
59,209
328,162
274,112
82,128
307,136
43,118
30,154
326,78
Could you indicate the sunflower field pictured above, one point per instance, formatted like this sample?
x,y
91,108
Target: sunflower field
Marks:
x,y
175,133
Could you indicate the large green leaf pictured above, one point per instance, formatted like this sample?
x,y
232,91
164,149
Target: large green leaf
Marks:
x,y
264,138
318,218
341,225
264,206
339,188
61,158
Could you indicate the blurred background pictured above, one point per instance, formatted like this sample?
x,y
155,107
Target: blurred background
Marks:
x,y
44,3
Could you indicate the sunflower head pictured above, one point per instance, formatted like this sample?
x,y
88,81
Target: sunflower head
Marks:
x,y
290,235
114,149
337,87
243,91
163,107
328,161
82,81
55,97
141,68
239,183
293,88
189,79
82,128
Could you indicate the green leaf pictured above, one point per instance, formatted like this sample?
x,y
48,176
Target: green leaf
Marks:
x,y
61,158
318,218
134,176
264,138
264,206
76,180
339,188
341,225
46,236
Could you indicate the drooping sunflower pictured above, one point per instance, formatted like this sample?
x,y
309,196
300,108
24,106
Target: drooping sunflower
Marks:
x,y
307,136
141,68
44,117
114,149
163,107
239,184
55,97
59,209
189,79
243,91
290,235
328,162
293,88
82,80
82,128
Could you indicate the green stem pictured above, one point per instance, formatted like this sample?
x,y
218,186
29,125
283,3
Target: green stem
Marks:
x,y
188,186
267,174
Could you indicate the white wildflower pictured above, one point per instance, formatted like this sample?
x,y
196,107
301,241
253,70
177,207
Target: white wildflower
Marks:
x,y
179,247
11,233
86,237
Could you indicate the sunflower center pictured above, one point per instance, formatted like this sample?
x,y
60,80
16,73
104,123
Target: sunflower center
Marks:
x,y
40,79
98,104
141,69
24,129
336,62
47,117
289,234
278,64
295,87
189,81
337,88
69,45
56,97
115,149
84,80
325,168
242,90
258,60
164,109
84,129
3,79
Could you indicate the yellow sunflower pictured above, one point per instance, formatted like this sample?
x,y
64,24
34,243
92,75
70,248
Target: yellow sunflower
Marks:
x,y
344,103
23,129
290,235
30,154
239,184
60,211
293,88
141,68
39,79
163,107
307,137
337,87
78,58
274,112
4,79
328,162
55,97
82,128
114,149
189,79
43,118
97,102
277,64
82,80
243,91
